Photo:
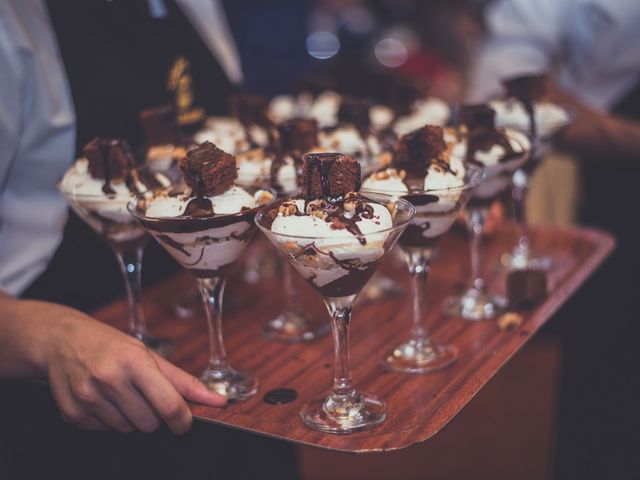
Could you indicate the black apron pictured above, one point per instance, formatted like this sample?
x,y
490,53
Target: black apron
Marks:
x,y
599,418
117,59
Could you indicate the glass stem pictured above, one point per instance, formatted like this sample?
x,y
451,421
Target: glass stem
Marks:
x,y
519,194
419,264
290,289
475,226
130,262
340,318
211,290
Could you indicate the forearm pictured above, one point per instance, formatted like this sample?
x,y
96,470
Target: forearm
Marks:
x,y
24,337
597,133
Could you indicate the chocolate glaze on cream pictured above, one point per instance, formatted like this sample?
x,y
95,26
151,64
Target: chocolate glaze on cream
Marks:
x,y
99,187
422,174
204,243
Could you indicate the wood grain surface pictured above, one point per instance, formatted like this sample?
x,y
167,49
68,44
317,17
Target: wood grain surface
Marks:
x,y
418,405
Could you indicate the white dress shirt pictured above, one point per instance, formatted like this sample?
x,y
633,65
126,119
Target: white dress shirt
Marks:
x,y
37,128
591,47
37,142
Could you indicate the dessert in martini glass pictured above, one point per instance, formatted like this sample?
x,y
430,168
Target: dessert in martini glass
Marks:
x,y
164,143
206,226
499,151
424,173
280,168
335,238
98,188
525,109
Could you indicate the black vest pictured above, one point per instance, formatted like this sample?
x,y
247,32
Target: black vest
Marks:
x,y
118,59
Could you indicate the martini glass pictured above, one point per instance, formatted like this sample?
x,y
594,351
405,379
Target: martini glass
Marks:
x,y
541,128
477,303
436,211
107,215
293,324
338,268
206,247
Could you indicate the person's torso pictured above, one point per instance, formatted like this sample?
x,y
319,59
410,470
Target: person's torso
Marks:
x,y
600,53
36,142
120,59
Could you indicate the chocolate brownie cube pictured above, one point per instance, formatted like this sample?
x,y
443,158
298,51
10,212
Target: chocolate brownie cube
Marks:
x,y
298,135
356,111
329,176
474,116
249,109
526,88
415,151
109,158
208,170
160,125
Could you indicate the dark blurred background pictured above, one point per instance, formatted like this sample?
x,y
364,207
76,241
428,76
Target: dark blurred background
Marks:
x,y
566,406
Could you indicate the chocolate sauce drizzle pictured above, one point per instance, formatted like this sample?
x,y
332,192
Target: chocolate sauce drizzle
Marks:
x,y
483,134
527,90
199,207
112,159
105,150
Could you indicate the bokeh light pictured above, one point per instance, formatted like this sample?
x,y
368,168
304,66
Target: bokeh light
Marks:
x,y
322,45
391,52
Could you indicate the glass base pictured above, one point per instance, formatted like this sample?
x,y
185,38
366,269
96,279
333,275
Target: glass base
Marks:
x,y
420,356
187,305
294,327
520,259
475,304
161,346
236,386
343,414
379,288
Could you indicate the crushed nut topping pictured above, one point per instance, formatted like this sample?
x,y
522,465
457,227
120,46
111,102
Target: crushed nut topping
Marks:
x,y
263,196
288,208
393,209
354,203
389,173
319,208
509,321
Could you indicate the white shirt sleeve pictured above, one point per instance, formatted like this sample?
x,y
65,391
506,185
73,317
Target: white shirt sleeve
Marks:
x,y
37,142
210,21
523,38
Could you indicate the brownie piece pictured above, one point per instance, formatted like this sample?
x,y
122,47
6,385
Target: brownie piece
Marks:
x,y
526,288
109,158
415,151
298,135
526,88
481,115
314,84
160,125
208,170
482,133
249,109
356,111
329,176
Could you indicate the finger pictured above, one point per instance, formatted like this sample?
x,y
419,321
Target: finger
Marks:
x,y
71,411
163,398
89,397
110,415
134,407
189,386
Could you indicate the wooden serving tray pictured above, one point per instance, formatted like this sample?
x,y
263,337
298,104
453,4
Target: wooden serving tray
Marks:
x,y
418,405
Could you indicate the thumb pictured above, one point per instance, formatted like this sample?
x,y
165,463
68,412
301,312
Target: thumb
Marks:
x,y
189,386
